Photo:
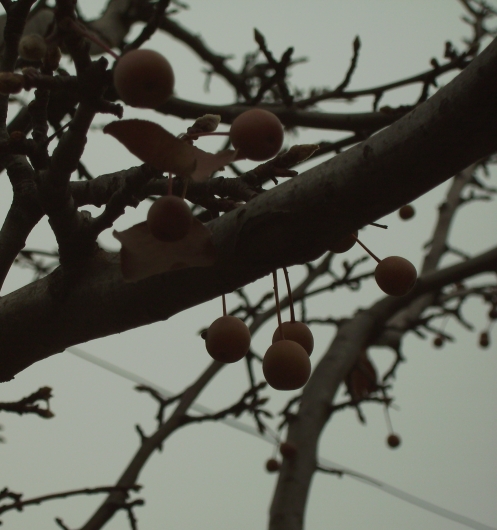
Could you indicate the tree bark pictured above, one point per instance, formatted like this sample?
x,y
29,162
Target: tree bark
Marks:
x,y
293,223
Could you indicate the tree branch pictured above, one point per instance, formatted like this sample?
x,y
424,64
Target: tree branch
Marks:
x,y
452,129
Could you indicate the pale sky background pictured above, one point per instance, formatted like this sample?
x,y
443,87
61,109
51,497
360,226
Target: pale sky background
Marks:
x,y
212,476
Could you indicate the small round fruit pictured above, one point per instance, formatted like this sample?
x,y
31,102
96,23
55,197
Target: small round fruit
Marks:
x,y
32,47
393,441
492,314
143,78
288,450
298,332
395,275
406,212
169,218
438,341
272,465
344,244
258,134
228,339
484,340
286,365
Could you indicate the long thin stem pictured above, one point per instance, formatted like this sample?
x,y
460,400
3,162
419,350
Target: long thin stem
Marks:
x,y
224,304
290,296
366,248
277,301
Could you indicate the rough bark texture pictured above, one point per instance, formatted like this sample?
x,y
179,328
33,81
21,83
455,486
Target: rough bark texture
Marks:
x,y
290,224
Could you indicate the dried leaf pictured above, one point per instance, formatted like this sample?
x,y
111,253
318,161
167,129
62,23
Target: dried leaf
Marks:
x,y
152,144
143,255
207,163
362,378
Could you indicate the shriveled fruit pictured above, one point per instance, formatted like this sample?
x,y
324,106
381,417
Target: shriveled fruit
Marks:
x,y
406,212
438,341
286,365
484,339
169,218
298,332
272,465
257,133
395,275
143,78
32,47
228,339
288,450
344,244
393,441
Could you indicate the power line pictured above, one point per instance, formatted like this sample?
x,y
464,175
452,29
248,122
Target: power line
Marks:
x,y
236,424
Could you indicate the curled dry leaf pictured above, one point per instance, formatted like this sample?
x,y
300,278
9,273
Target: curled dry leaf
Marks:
x,y
152,144
362,378
143,255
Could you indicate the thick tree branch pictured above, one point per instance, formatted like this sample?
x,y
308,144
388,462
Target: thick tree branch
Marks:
x,y
292,223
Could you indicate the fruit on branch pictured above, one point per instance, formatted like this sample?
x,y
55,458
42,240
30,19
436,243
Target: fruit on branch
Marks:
x,y
406,212
395,275
143,78
258,134
288,450
298,332
228,339
438,341
484,339
344,244
286,365
32,47
169,218
272,465
393,440
492,314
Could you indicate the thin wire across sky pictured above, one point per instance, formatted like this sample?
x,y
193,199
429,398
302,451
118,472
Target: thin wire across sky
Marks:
x,y
271,438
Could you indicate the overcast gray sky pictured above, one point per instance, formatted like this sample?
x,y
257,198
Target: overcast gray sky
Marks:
x,y
212,476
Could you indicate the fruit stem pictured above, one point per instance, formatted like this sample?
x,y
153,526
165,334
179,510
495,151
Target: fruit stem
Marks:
x,y
93,38
379,226
224,305
366,248
210,134
277,300
290,297
388,420
169,184
185,187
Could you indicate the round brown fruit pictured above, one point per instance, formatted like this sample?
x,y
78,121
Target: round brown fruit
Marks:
x,y
169,218
344,244
484,340
438,341
272,465
395,275
228,339
258,134
143,78
286,365
298,332
492,314
288,450
406,212
393,441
